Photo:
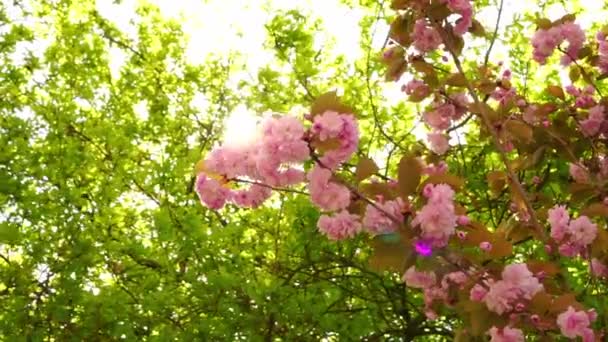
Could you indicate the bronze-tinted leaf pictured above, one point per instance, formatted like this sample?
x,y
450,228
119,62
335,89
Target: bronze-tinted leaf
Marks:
x,y
599,246
561,303
556,91
395,69
477,29
540,303
496,181
483,108
389,256
574,73
456,80
365,168
421,66
595,209
565,19
517,231
543,23
409,174
373,189
326,145
329,101
549,268
452,180
399,4
500,246
519,130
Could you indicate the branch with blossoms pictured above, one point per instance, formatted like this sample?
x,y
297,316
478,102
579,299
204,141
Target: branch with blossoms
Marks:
x,y
505,281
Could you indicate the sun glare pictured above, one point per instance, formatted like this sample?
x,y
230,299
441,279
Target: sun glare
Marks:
x,y
240,127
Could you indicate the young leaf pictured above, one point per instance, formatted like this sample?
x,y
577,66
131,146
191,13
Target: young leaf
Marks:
x,y
519,130
409,174
365,168
329,101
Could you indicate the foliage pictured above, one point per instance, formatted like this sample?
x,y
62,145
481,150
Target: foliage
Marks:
x,y
102,236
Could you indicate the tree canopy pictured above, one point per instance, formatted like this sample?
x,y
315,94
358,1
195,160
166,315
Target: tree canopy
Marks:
x,y
108,230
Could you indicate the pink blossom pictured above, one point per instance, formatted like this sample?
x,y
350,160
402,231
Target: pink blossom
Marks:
x,y
598,269
506,334
327,195
416,87
464,8
463,220
582,231
579,173
545,41
501,297
455,278
440,117
478,293
521,277
377,222
339,226
592,124
420,280
574,323
558,219
503,95
576,38
211,193
425,38
517,283
437,219
327,125
439,142
485,246
339,126
252,197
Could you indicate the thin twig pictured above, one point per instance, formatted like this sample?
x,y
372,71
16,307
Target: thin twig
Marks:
x,y
495,34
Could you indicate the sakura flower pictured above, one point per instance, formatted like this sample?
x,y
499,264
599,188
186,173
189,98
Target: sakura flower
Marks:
x,y
439,142
437,219
420,280
339,226
211,192
376,220
579,173
591,126
327,195
598,269
425,38
506,334
574,323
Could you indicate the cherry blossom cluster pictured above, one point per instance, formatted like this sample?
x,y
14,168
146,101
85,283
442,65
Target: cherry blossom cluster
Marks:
x,y
572,236
573,324
437,218
593,123
440,117
267,162
517,286
434,291
545,41
465,10
506,334
426,38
